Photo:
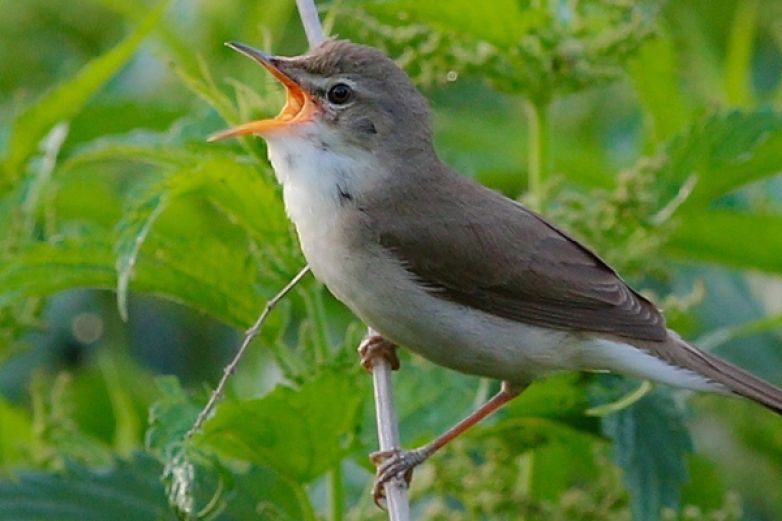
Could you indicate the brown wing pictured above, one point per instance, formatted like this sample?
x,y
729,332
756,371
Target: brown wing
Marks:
x,y
475,247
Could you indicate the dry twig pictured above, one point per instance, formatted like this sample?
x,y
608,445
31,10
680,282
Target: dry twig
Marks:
x,y
230,369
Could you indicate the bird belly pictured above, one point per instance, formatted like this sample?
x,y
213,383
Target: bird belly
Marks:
x,y
386,297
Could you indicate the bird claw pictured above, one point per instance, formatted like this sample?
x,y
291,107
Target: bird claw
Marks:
x,y
373,346
394,465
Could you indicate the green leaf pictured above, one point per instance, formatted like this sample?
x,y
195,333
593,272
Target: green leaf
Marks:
x,y
742,240
188,472
301,433
550,410
724,151
651,446
219,283
130,490
266,495
235,188
164,156
170,418
69,98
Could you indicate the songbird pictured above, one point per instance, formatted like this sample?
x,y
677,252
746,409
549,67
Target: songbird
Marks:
x,y
436,262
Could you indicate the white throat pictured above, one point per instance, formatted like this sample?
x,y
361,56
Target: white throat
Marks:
x,y
322,186
317,173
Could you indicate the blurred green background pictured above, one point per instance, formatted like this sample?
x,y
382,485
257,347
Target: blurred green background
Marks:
x,y
133,254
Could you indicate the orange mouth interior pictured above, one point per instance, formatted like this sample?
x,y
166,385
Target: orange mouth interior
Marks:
x,y
298,107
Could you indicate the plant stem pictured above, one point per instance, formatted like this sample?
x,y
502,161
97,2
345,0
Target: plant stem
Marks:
x,y
230,369
336,493
311,23
388,434
538,151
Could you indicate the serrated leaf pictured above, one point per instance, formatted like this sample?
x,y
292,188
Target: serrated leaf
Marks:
x,y
67,100
299,432
110,150
742,240
219,283
266,495
651,446
724,152
193,476
170,418
130,489
235,188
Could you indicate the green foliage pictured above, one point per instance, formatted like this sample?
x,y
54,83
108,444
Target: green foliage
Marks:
x,y
300,433
65,101
539,49
651,443
82,494
653,131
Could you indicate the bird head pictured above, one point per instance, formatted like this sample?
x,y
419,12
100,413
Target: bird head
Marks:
x,y
343,94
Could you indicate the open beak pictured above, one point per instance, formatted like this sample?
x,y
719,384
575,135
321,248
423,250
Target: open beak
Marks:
x,y
299,106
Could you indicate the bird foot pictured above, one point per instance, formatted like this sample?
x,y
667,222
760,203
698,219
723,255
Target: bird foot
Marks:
x,y
394,464
373,346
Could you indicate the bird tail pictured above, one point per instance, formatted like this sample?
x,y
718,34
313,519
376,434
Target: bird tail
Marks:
x,y
736,380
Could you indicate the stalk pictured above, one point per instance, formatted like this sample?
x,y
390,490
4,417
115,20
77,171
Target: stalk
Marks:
x,y
337,493
539,162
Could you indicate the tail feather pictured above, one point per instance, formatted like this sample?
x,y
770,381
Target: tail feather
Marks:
x,y
735,379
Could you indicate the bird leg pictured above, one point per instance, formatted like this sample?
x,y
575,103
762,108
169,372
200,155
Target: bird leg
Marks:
x,y
373,345
400,463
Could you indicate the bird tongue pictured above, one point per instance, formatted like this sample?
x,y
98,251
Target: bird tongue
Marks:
x,y
299,106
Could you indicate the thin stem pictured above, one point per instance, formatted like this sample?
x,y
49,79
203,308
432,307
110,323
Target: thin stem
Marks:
x,y
539,158
388,435
337,493
309,19
230,369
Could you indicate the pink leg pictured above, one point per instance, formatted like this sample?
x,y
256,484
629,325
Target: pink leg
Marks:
x,y
401,463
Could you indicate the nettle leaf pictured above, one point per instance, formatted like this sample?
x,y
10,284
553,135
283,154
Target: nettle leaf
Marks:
x,y
170,418
194,477
130,490
67,100
724,151
203,274
743,240
234,187
45,268
266,495
165,156
651,446
299,432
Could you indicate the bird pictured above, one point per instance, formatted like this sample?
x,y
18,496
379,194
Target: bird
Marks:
x,y
436,262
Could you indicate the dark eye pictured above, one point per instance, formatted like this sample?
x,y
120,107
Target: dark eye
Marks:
x,y
340,94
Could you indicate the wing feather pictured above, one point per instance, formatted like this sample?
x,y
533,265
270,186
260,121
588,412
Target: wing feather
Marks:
x,y
473,246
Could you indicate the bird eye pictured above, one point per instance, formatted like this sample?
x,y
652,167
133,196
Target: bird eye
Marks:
x,y
340,94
